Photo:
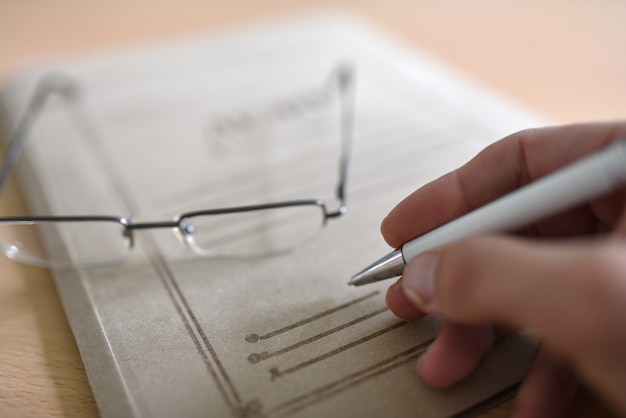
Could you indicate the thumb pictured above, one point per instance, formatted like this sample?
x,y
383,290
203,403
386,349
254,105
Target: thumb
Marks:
x,y
571,293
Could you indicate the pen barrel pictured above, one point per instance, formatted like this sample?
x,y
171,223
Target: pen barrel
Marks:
x,y
586,179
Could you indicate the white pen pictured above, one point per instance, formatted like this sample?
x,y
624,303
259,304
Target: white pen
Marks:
x,y
579,182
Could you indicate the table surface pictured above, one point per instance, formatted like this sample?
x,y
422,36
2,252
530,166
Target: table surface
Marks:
x,y
564,58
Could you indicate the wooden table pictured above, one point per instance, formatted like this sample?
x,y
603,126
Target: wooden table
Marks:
x,y
566,58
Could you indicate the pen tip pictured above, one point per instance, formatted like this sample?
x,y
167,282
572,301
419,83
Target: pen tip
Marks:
x,y
387,267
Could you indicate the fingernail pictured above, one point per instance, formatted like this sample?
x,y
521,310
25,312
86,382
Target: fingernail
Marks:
x,y
418,279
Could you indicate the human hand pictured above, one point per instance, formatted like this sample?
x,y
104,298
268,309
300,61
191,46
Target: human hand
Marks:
x,y
564,277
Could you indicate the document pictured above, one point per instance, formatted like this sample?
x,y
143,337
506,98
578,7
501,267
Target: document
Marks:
x,y
246,117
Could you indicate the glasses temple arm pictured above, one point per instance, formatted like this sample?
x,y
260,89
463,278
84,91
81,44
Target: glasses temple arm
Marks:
x,y
51,83
345,80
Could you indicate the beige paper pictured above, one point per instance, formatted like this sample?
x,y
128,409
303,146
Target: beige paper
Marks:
x,y
246,118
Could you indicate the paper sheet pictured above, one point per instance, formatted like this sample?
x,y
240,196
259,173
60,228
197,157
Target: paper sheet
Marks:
x,y
242,118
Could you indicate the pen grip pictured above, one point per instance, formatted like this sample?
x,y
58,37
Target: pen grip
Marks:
x,y
588,178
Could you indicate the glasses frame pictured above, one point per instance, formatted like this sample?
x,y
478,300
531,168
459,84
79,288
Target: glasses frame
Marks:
x,y
66,88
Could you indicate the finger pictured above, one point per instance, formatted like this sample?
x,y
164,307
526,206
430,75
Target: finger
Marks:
x,y
400,305
554,288
455,353
573,294
497,170
548,389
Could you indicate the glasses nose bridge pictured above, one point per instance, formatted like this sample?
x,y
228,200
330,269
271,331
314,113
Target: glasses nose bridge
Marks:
x,y
131,227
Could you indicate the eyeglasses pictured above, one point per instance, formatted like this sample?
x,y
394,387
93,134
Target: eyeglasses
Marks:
x,y
254,230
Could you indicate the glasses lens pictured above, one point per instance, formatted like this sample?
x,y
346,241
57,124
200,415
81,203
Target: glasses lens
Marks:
x,y
63,243
253,232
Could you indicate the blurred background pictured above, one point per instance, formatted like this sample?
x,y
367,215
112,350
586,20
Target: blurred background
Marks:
x,y
565,58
